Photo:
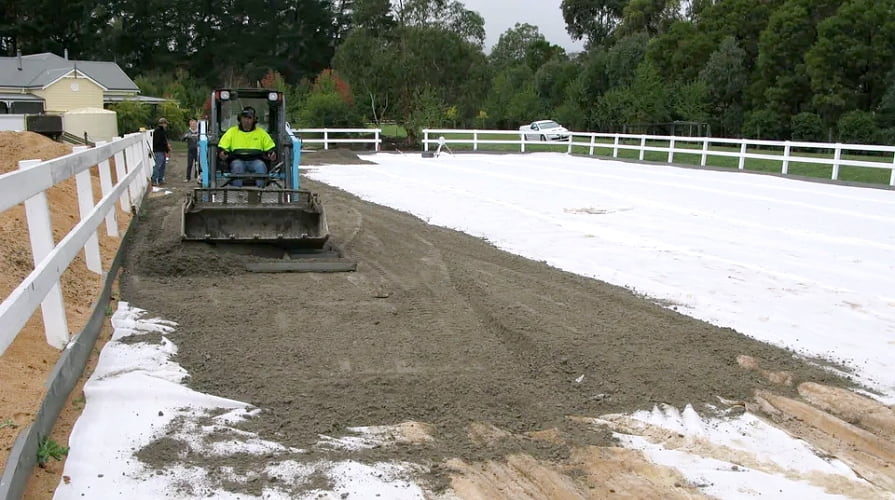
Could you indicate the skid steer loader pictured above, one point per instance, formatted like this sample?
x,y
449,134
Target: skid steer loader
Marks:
x,y
279,214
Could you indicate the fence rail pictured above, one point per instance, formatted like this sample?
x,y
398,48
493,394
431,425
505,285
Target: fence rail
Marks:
x,y
326,140
28,186
593,143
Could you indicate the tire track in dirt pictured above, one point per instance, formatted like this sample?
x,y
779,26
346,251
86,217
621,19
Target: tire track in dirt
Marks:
x,y
436,327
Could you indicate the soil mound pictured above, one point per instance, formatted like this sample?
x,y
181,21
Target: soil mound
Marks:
x,y
336,155
27,362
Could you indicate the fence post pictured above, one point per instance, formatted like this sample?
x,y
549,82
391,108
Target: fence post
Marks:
x,y
119,175
615,147
742,164
836,158
325,140
786,151
642,145
570,144
705,151
105,184
376,138
85,206
40,231
522,140
425,139
475,140
593,139
131,162
671,151
892,175
145,160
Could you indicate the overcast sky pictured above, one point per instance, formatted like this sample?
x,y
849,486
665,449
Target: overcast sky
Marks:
x,y
501,15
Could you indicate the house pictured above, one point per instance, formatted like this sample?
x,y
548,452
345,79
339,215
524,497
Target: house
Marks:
x,y
77,90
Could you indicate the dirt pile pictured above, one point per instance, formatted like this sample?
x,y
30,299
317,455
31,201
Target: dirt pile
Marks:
x,y
435,327
335,155
27,362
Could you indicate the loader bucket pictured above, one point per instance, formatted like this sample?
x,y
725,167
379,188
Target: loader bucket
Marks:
x,y
289,218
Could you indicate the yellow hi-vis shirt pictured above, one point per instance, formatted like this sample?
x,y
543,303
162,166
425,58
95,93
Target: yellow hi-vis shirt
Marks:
x,y
257,138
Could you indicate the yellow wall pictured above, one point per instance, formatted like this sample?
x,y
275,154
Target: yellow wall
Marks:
x,y
60,96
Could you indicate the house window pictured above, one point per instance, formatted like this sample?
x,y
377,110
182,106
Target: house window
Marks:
x,y
27,107
4,109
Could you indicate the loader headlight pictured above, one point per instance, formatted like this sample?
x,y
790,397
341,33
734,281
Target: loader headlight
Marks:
x,y
272,97
225,95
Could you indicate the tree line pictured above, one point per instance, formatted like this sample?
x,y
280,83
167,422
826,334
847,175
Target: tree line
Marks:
x,y
819,70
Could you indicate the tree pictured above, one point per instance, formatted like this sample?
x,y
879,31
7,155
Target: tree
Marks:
x,y
609,114
690,102
552,79
853,53
372,15
647,97
649,16
435,44
681,52
514,44
505,85
623,59
725,78
48,26
329,104
594,21
449,15
782,82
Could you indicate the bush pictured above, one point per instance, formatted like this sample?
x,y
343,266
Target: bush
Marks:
x,y
131,116
178,118
858,127
328,110
427,111
764,124
807,127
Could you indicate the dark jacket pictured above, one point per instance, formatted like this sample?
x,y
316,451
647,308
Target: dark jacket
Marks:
x,y
160,141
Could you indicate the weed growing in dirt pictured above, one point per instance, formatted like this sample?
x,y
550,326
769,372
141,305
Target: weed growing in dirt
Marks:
x,y
48,449
79,402
8,423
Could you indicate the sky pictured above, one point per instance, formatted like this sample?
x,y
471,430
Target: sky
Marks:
x,y
799,264
501,15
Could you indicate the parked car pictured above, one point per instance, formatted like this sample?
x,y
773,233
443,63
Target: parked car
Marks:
x,y
545,130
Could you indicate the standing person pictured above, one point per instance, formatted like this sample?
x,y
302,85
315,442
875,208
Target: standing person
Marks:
x,y
192,150
249,144
160,150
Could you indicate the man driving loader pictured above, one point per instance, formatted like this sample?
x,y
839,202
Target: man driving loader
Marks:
x,y
245,145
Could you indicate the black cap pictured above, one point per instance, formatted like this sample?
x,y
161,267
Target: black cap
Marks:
x,y
247,111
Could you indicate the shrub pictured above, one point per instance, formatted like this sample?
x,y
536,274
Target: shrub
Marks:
x,y
763,124
131,116
807,127
857,127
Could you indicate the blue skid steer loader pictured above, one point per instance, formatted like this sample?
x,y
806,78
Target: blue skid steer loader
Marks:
x,y
258,209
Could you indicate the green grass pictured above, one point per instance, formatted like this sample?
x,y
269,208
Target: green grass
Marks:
x,y
604,148
393,130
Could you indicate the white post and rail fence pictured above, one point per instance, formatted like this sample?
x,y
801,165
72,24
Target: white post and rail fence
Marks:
x,y
697,148
327,136
28,186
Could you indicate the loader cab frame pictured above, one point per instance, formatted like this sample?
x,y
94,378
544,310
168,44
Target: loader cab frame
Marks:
x,y
270,108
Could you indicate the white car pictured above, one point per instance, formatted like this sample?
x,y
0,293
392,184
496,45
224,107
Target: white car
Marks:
x,y
544,130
